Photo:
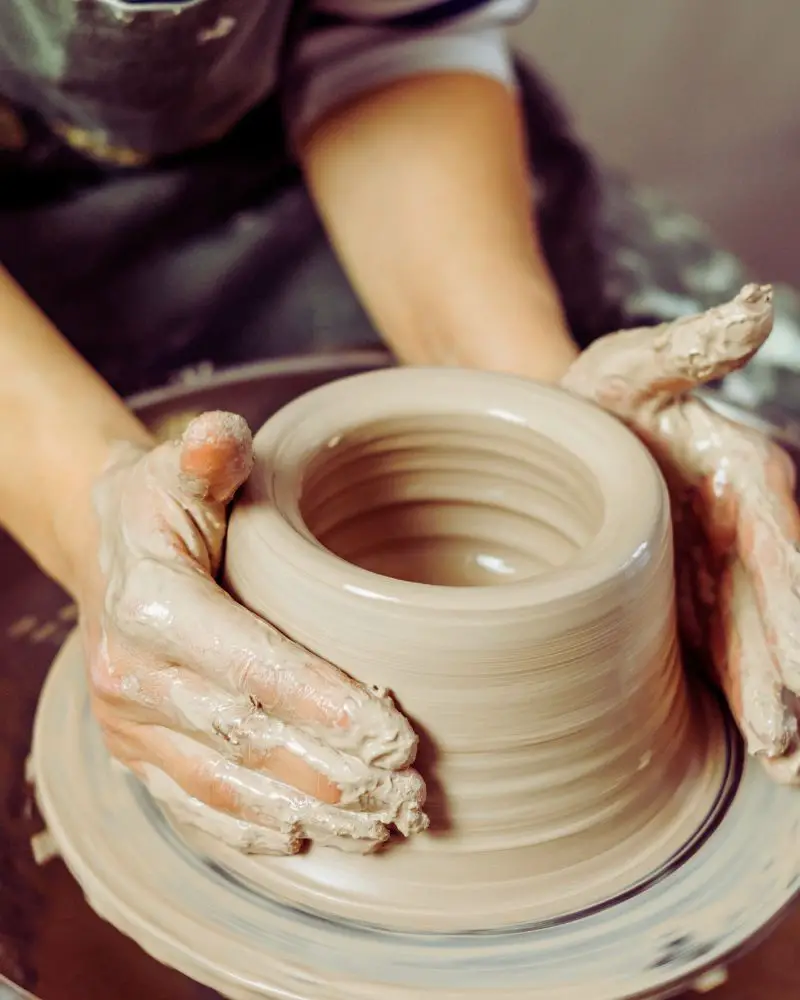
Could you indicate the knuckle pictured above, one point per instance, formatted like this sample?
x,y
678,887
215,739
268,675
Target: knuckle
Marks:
x,y
113,677
251,677
244,672
104,680
138,604
233,738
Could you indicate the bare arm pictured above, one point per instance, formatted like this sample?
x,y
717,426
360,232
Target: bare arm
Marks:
x,y
58,421
424,188
152,616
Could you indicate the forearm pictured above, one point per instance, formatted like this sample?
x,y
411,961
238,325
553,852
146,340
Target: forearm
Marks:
x,y
424,188
58,422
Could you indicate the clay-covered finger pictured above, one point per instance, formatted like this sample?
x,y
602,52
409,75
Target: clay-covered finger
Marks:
x,y
747,670
780,613
256,798
189,621
215,456
294,757
710,345
244,734
248,838
260,799
624,370
182,701
785,770
187,485
768,530
396,796
743,486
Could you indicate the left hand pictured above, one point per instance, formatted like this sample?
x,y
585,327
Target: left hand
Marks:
x,y
232,727
736,523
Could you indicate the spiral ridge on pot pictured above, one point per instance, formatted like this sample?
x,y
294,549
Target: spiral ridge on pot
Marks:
x,y
498,554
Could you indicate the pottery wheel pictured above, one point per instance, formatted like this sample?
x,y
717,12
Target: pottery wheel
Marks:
x,y
730,881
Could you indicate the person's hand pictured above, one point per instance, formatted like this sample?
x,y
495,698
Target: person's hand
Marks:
x,y
736,521
231,727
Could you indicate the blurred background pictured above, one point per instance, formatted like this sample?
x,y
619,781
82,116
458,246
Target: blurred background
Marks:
x,y
700,98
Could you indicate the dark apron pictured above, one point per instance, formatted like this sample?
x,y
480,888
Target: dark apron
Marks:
x,y
151,258
130,81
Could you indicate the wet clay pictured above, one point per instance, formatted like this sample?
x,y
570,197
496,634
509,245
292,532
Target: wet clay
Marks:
x,y
498,555
735,517
181,673
448,652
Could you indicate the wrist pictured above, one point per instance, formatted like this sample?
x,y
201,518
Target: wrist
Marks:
x,y
74,521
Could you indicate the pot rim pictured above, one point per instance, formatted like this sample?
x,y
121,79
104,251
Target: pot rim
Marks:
x,y
635,525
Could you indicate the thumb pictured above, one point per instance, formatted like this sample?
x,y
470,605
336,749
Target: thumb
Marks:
x,y
216,456
710,345
627,369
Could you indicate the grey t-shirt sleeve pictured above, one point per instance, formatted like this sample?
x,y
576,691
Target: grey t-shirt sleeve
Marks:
x,y
353,46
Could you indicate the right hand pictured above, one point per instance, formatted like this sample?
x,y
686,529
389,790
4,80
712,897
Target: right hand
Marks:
x,y
736,521
231,726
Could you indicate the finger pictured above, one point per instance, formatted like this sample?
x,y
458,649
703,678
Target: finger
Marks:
x,y
762,475
247,795
397,797
710,345
237,833
626,369
194,479
245,735
747,670
768,529
293,757
175,698
785,770
254,659
744,493
216,456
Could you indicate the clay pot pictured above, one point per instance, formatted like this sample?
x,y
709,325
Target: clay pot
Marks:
x,y
496,553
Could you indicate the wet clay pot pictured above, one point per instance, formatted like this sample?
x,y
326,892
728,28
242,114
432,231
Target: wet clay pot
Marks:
x,y
498,554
